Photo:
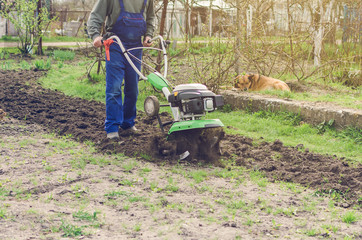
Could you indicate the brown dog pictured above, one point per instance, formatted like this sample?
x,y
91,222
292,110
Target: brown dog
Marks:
x,y
257,82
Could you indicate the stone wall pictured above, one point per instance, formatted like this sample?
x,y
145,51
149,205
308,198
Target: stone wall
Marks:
x,y
311,112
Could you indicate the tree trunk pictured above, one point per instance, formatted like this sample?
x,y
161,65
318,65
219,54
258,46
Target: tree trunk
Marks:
x,y
290,35
238,38
249,22
163,17
187,23
40,41
210,19
162,29
319,30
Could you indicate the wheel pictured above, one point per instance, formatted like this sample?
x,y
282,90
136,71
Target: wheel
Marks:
x,y
151,106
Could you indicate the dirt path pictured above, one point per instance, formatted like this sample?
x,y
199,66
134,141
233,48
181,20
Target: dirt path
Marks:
x,y
55,188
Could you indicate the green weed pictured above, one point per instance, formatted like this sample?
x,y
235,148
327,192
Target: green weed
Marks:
x,y
198,176
145,157
294,187
26,142
322,127
350,217
258,178
82,215
275,225
133,199
40,64
336,195
126,182
249,222
288,118
154,187
60,65
49,198
202,189
226,108
309,206
78,190
137,227
4,54
267,209
97,78
237,205
79,162
228,173
126,207
25,65
279,93
173,52
332,228
171,186
63,143
70,230
129,166
3,212
353,133
311,232
99,160
146,170
117,194
286,211
3,192
6,65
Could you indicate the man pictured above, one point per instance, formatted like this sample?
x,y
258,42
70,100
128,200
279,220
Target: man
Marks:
x,y
132,22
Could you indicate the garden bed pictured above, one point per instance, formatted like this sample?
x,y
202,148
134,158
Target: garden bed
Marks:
x,y
22,98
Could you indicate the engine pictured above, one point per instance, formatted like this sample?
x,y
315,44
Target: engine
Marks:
x,y
194,100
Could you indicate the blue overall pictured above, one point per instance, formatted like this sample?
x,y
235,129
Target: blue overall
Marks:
x,y
130,27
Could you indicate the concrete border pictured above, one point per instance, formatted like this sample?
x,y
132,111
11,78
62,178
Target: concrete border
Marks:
x,y
311,112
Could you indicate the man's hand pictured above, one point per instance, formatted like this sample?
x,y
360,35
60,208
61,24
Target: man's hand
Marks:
x,y
97,42
146,43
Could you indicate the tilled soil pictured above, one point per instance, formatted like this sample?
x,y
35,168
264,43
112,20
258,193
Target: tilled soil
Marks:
x,y
21,97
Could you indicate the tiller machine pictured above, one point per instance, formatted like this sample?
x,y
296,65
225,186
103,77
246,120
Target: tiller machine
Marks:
x,y
192,135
